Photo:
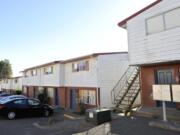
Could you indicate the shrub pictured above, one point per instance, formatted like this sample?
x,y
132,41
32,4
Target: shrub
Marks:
x,y
18,92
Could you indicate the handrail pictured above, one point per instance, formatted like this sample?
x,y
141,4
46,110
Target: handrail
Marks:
x,y
122,82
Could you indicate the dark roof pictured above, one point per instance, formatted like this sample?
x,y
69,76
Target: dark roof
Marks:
x,y
123,22
42,65
73,59
90,56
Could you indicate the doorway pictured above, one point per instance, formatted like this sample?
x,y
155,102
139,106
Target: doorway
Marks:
x,y
56,95
73,96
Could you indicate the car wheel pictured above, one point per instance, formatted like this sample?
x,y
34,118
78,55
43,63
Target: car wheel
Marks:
x,y
11,115
46,113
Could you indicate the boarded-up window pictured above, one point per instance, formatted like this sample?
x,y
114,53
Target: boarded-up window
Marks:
x,y
172,18
155,24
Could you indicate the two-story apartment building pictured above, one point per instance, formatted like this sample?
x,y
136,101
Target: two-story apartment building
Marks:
x,y
11,85
43,78
88,79
154,45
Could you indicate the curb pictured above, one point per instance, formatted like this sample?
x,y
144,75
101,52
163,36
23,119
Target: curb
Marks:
x,y
173,126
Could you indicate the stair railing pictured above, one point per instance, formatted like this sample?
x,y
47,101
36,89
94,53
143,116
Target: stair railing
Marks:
x,y
122,84
136,91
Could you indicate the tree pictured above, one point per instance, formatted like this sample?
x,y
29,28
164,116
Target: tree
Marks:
x,y
5,69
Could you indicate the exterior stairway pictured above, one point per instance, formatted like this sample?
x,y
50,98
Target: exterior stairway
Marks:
x,y
126,90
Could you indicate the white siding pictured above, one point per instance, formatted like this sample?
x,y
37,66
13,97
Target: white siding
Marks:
x,y
6,85
51,79
153,48
11,85
32,80
81,78
18,85
42,79
110,70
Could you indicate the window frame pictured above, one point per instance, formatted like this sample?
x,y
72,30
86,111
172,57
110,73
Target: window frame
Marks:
x,y
82,65
34,73
33,101
46,72
20,100
164,21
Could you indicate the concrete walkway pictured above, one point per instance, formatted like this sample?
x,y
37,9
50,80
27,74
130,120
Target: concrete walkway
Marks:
x,y
156,112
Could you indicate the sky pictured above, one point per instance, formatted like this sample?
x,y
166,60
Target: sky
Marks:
x,y
33,32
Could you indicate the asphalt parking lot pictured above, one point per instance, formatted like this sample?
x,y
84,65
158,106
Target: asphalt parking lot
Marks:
x,y
119,126
26,126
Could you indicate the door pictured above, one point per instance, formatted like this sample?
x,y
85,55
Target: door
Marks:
x,y
35,108
56,95
21,107
165,77
73,96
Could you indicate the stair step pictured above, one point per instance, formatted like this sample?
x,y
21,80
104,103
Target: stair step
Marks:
x,y
128,100
129,96
122,107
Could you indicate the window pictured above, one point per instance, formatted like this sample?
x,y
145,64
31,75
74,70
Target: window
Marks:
x,y
165,21
33,102
25,74
50,92
80,66
16,80
87,97
6,80
172,18
48,70
34,72
20,102
155,24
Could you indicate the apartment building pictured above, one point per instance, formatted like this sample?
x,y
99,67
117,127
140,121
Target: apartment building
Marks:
x,y
154,45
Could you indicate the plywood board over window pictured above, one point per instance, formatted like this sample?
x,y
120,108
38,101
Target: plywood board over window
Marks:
x,y
155,24
176,93
172,18
161,92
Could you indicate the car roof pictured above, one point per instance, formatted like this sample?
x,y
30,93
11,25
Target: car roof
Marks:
x,y
11,98
2,94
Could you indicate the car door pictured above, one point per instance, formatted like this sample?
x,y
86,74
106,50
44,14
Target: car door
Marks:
x,y
20,107
34,107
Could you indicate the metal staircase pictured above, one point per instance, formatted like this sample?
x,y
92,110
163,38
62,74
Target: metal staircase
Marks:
x,y
126,90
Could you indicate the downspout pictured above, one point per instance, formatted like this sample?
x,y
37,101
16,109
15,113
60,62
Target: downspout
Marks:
x,y
97,88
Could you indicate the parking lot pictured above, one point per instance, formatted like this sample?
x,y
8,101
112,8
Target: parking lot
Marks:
x,y
119,126
27,126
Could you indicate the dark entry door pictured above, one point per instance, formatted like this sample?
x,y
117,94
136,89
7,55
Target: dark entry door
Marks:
x,y
56,95
165,77
73,103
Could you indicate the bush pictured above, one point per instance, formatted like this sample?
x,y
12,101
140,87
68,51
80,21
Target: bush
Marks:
x,y
43,97
82,108
18,92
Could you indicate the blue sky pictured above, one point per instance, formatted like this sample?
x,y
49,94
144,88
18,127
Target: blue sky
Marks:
x,y
33,32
